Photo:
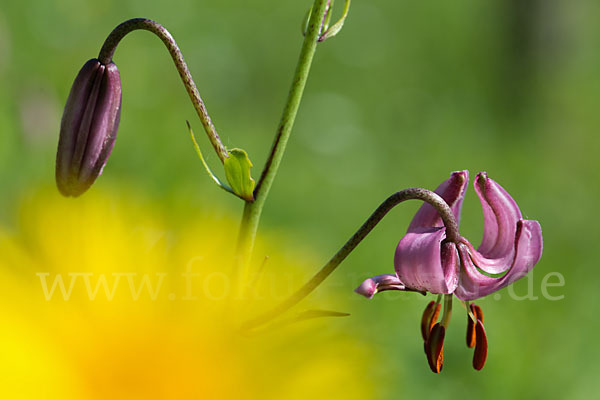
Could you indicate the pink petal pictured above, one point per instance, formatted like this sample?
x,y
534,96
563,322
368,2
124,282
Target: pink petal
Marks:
x,y
500,216
474,284
378,284
452,191
423,263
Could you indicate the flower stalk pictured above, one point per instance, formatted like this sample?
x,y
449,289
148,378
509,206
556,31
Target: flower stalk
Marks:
x,y
408,194
110,45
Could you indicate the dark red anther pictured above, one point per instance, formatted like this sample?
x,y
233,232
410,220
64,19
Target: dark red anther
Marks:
x,y
471,331
481,346
430,317
476,310
434,348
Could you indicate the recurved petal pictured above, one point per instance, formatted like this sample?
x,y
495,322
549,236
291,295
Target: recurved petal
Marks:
x,y
424,262
500,216
452,191
528,251
378,284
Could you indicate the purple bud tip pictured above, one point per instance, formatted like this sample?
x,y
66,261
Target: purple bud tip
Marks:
x,y
379,283
368,288
89,127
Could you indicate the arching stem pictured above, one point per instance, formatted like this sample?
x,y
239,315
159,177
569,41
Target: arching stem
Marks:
x,y
110,45
428,196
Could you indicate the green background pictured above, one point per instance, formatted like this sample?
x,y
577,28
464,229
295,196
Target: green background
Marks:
x,y
405,94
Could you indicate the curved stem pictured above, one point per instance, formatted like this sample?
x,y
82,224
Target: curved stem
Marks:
x,y
253,210
110,45
428,196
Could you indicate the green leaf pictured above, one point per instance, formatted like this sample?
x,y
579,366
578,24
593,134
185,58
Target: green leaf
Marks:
x,y
337,27
305,21
311,314
206,167
237,171
302,316
328,16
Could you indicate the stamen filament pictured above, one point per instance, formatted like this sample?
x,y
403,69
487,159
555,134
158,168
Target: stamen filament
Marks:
x,y
447,310
439,299
470,312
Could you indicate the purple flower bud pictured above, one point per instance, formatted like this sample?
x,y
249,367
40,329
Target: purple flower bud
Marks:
x,y
89,127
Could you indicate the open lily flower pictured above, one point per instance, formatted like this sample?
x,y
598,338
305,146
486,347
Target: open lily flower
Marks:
x,y
426,261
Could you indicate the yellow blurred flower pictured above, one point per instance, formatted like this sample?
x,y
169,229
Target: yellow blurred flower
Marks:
x,y
110,297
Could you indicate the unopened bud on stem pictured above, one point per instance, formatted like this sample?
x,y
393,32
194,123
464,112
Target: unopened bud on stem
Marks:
x,y
89,127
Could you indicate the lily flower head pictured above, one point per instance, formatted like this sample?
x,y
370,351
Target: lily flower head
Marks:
x,y
427,261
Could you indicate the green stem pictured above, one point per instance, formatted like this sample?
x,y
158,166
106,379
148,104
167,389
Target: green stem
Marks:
x,y
428,196
447,310
110,45
253,210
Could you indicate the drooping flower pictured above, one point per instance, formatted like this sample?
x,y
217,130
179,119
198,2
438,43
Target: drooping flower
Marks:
x,y
426,261
89,127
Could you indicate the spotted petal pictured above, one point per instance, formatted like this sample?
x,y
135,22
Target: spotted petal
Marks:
x,y
425,263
